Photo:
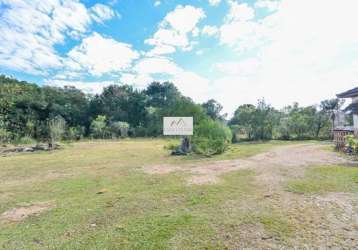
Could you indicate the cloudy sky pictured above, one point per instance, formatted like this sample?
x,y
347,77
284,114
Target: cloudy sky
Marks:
x,y
235,51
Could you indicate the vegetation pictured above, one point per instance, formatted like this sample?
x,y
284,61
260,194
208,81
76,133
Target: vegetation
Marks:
x,y
50,113
263,122
138,211
211,137
102,201
352,144
324,179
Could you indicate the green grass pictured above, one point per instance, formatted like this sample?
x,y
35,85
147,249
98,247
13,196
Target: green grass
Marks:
x,y
138,211
323,179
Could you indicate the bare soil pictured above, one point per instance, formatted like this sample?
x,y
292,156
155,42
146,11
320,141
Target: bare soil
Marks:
x,y
293,157
328,221
21,213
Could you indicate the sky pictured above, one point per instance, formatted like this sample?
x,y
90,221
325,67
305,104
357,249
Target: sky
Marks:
x,y
235,51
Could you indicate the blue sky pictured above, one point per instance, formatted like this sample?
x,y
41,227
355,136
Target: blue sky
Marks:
x,y
235,51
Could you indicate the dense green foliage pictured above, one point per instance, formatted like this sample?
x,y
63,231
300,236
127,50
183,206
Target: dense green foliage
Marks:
x,y
26,111
262,122
211,137
352,143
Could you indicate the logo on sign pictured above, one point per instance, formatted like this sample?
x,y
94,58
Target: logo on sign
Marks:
x,y
178,125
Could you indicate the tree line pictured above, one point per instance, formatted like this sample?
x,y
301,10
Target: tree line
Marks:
x,y
43,113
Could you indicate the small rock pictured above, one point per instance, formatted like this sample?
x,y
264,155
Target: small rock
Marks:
x,y
93,225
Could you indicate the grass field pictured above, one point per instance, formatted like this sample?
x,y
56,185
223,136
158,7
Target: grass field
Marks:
x,y
101,199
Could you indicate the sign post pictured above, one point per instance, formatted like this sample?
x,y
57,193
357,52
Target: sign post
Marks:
x,y
179,126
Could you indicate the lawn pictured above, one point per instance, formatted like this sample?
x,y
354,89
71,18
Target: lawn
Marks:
x,y
103,200
324,179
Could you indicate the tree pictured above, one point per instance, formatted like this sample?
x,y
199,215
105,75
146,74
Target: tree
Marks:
x,y
119,129
244,117
57,127
330,107
258,121
213,109
68,102
120,103
162,94
98,127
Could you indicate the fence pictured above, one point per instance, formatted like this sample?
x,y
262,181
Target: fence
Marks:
x,y
339,137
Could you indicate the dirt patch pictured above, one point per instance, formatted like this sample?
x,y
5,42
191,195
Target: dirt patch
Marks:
x,y
21,213
161,169
203,179
315,221
292,156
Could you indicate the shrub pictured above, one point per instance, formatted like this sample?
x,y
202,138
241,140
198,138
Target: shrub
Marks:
x,y
211,137
75,133
57,127
119,129
139,131
172,145
352,144
25,140
5,136
98,127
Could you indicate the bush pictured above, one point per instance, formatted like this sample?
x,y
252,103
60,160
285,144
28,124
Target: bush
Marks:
x,y
352,144
25,140
75,133
5,136
119,129
99,128
211,137
57,128
173,145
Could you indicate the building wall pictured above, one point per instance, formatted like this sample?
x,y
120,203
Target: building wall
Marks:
x,y
355,124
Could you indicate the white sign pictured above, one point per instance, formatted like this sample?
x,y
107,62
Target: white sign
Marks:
x,y
178,125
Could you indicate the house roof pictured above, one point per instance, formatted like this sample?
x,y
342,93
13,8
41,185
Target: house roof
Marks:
x,y
349,93
353,108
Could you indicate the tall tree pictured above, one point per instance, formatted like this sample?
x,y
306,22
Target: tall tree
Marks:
x,y
213,109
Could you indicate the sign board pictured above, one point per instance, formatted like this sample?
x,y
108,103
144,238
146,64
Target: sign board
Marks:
x,y
178,125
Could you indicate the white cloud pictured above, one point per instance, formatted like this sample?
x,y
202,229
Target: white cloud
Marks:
x,y
193,85
239,68
240,27
101,12
99,55
209,30
87,87
294,59
271,5
240,12
30,30
214,2
157,3
156,65
138,80
161,50
149,69
176,28
183,19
